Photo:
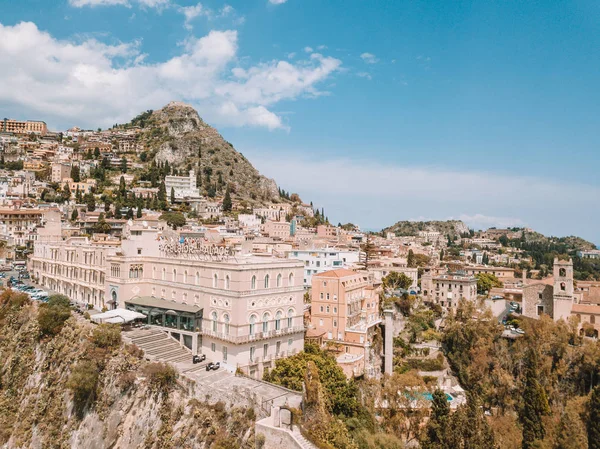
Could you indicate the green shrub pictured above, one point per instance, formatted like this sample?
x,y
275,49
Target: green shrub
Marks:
x,y
107,336
83,383
52,317
161,376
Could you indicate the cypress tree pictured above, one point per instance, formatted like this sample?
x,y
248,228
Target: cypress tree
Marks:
x,y
535,404
138,213
593,425
172,195
227,205
436,429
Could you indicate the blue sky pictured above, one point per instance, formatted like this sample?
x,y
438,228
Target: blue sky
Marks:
x,y
376,110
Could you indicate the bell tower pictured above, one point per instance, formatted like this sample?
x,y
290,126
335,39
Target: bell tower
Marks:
x,y
563,289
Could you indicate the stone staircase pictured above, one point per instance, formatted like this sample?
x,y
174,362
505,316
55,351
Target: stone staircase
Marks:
x,y
302,441
158,346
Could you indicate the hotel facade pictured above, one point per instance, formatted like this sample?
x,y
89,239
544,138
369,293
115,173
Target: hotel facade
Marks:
x,y
242,310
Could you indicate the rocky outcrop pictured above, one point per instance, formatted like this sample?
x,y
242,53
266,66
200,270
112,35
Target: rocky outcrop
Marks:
x,y
176,134
130,407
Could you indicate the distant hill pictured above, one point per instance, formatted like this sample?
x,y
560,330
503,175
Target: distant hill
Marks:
x,y
410,228
176,134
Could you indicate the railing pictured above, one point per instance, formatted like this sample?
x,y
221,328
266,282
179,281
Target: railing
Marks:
x,y
238,339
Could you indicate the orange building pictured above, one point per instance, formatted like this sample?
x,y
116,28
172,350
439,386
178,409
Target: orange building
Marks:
x,y
345,311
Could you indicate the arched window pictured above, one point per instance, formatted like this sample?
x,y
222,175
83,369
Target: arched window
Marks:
x,y
215,280
153,272
291,279
252,324
267,281
563,286
253,283
278,316
265,324
174,275
197,281
164,274
279,277
226,321
185,277
290,318
562,272
213,317
227,282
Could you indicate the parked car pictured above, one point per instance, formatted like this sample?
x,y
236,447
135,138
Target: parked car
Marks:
x,y
198,358
213,366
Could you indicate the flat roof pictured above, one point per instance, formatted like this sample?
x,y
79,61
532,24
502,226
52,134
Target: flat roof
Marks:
x,y
151,301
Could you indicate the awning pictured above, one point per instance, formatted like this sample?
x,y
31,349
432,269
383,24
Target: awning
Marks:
x,y
158,303
117,316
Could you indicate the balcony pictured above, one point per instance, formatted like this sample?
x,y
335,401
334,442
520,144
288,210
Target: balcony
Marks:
x,y
246,338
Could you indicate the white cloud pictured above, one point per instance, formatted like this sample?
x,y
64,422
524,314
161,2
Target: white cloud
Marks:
x,y
377,195
366,75
89,83
191,12
322,47
144,3
308,49
291,55
277,2
369,58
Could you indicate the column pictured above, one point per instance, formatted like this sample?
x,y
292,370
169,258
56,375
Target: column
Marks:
x,y
388,342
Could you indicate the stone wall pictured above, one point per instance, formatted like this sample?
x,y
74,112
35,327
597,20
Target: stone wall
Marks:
x,y
538,295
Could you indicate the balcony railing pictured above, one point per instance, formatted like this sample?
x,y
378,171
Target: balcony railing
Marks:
x,y
245,338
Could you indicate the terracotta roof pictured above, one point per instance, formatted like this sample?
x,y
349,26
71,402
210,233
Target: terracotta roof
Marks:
x,y
340,273
584,308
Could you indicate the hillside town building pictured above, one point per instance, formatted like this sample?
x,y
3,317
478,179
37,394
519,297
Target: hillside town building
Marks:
x,y
345,312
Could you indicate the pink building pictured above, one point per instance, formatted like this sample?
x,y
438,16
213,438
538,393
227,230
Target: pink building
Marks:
x,y
345,311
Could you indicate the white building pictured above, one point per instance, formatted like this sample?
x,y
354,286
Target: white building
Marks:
x,y
320,260
183,186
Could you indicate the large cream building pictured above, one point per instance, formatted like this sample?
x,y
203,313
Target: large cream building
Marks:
x,y
242,310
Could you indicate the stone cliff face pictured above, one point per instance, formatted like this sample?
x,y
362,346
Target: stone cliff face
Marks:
x,y
176,134
128,409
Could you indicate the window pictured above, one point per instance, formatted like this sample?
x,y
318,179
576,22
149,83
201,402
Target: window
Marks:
x,y
291,279
321,295
592,319
563,286
215,280
213,347
540,310
252,350
290,342
278,316
327,309
279,277
267,281
185,277
540,295
139,250
321,309
327,295
252,323
174,275
225,354
164,274
290,318
277,348
265,324
334,323
265,350
562,273
253,283
213,318
321,322
153,272
227,282
197,280
335,310
226,323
